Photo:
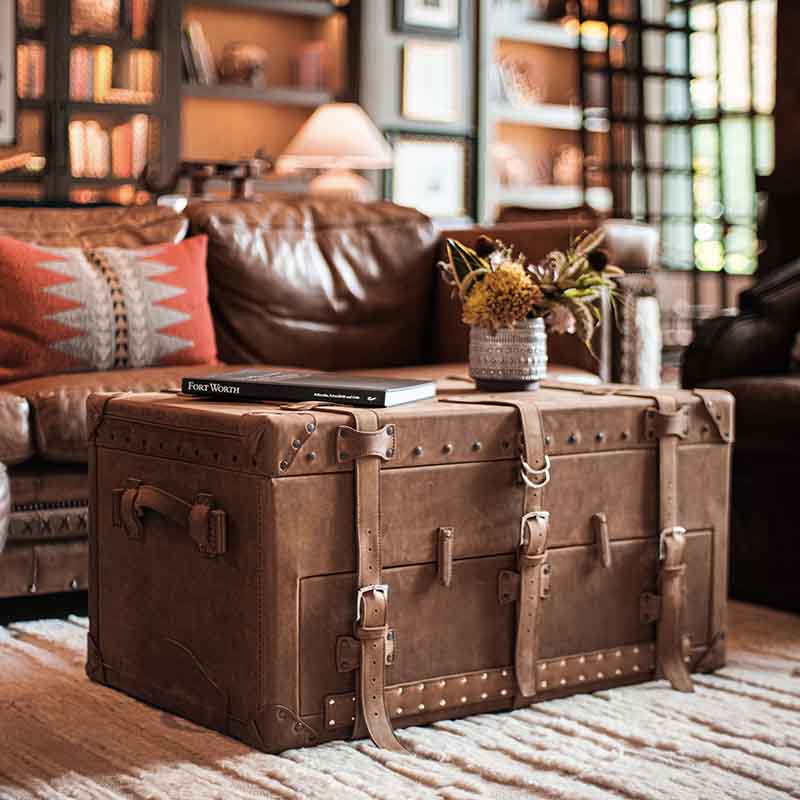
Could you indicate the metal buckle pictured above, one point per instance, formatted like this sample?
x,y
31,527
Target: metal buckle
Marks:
x,y
543,515
373,587
675,530
527,469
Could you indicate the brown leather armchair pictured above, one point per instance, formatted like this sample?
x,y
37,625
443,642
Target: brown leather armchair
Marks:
x,y
749,355
294,281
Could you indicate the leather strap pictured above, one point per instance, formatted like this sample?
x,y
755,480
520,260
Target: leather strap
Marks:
x,y
372,625
206,525
534,526
669,427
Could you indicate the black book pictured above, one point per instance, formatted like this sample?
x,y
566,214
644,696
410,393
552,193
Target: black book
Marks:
x,y
301,385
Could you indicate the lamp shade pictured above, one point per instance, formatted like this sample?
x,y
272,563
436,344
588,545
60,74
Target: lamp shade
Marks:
x,y
337,136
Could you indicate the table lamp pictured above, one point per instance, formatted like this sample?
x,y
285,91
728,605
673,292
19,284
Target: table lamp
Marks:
x,y
338,138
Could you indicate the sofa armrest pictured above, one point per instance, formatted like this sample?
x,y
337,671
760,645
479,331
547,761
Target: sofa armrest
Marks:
x,y
737,346
777,296
16,444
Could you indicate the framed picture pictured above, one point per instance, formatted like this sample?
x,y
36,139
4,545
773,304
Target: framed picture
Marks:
x,y
431,90
8,72
434,17
432,173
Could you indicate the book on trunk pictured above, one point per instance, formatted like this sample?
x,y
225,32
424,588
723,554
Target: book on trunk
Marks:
x,y
302,385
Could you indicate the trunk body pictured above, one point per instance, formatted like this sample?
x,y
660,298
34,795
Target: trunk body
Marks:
x,y
254,642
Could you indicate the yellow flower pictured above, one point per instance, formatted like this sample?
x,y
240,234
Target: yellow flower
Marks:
x,y
504,296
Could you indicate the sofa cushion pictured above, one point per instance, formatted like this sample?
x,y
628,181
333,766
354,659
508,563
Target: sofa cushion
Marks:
x,y
68,309
94,227
57,403
319,283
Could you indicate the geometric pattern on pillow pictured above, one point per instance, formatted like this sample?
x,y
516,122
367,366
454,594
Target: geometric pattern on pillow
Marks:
x,y
103,308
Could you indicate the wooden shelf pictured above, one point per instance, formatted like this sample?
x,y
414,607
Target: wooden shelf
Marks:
x,y
549,34
21,177
120,109
543,115
549,197
274,95
26,103
106,182
36,34
119,41
298,8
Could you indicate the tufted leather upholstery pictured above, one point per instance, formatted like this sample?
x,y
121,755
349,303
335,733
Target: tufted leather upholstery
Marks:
x,y
328,284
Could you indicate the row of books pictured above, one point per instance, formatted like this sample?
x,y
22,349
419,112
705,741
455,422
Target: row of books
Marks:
x,y
108,17
95,152
93,71
30,70
30,13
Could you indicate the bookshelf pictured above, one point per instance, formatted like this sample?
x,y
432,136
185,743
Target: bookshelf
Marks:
x,y
265,116
101,103
539,136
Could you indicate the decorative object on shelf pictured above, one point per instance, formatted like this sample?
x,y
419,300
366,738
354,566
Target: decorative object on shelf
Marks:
x,y
434,17
432,174
309,66
521,86
27,162
512,170
244,63
95,17
431,81
510,305
338,138
568,166
8,79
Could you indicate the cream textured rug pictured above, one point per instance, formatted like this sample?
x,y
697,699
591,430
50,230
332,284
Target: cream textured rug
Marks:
x,y
737,737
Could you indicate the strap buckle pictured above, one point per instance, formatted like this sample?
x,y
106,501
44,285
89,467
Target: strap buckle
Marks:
x,y
373,587
675,530
527,469
523,528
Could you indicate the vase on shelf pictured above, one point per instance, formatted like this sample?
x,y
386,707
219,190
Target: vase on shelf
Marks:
x,y
512,359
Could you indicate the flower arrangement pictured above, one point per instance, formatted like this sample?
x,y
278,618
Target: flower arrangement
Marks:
x,y
498,289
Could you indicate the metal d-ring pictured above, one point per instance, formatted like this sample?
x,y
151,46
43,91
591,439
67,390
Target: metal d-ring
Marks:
x,y
527,469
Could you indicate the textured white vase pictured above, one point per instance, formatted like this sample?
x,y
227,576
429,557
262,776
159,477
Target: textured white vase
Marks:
x,y
512,358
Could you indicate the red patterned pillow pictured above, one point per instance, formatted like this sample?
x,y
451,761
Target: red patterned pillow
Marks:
x,y
67,309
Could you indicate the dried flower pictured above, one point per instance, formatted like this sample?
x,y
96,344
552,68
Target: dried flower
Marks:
x,y
560,320
598,260
504,297
484,246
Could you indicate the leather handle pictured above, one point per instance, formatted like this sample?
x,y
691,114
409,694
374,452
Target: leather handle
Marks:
x,y
206,524
445,556
601,537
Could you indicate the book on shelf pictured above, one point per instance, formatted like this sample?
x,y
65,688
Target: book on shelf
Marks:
x,y
30,70
95,76
190,71
309,66
103,64
202,56
136,15
95,152
31,13
301,385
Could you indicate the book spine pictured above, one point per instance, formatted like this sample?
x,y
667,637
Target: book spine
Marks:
x,y
222,390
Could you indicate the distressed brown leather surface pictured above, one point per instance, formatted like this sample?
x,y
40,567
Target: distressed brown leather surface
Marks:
x,y
44,568
94,227
328,284
15,434
246,642
35,484
5,506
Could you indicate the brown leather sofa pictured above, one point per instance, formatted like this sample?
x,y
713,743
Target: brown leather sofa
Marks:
x,y
327,284
749,355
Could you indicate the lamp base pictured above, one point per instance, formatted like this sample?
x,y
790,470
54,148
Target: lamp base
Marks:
x,y
344,184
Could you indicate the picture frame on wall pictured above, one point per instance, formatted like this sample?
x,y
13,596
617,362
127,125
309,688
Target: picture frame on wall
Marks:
x,y
8,72
431,82
431,17
432,173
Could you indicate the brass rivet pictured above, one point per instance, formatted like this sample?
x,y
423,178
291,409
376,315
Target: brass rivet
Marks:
x,y
443,702
600,436
504,692
399,710
463,699
331,702
73,584
506,445
389,453
421,706
311,427
390,430
625,435
344,456
476,446
573,438
331,723
312,456
33,588
448,448
296,444
284,465
418,451
548,439
343,433
543,684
